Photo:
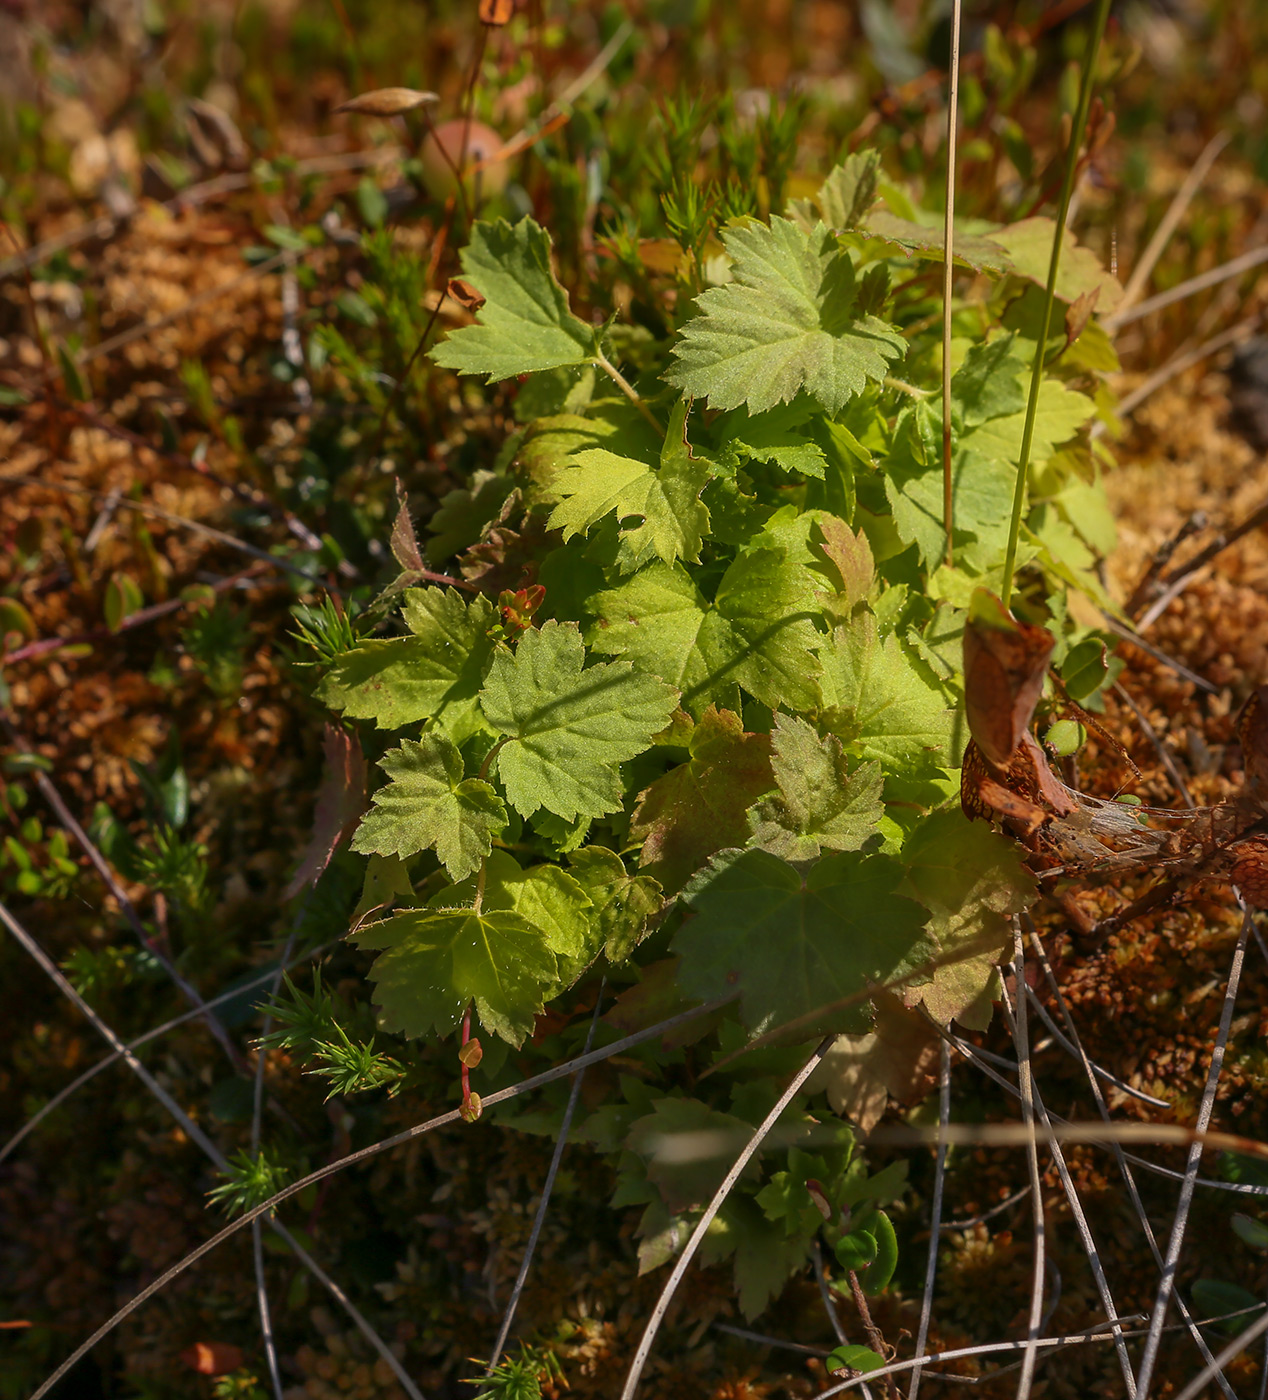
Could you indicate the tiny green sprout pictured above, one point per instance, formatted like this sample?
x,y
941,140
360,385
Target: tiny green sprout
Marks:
x,y
248,1182
1129,799
1066,737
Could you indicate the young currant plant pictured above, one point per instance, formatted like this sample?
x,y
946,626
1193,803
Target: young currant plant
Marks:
x,y
692,720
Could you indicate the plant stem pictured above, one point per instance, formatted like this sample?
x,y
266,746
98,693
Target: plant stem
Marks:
x,y
948,267
874,1336
627,389
1036,376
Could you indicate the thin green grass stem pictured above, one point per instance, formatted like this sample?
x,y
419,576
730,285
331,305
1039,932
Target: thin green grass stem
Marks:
x,y
1054,264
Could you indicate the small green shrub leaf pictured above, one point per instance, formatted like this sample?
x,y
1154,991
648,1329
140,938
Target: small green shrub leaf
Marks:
x,y
525,323
433,674
796,946
569,729
788,322
820,803
429,803
433,962
597,482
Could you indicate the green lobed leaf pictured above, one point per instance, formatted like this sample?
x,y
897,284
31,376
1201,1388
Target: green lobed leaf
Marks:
x,y
568,729
688,1148
988,384
758,632
820,803
926,241
795,945
787,322
981,488
880,701
548,897
525,323
1028,244
433,962
623,903
699,806
972,879
427,803
779,436
597,482
434,674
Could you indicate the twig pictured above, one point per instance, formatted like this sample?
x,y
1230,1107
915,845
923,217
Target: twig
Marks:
x,y
1120,1157
1176,1239
829,1304
257,1113
196,1136
874,1336
1170,220
1129,403
763,1340
1164,753
1161,557
105,228
1026,997
144,328
1222,1358
1032,1157
46,646
1175,582
630,1388
972,1220
363,1154
935,1225
1234,268
560,1143
1101,1073
197,526
106,1061
948,270
1133,636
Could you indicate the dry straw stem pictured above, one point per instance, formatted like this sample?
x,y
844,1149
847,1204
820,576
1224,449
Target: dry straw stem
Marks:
x,y
948,268
202,1142
106,1061
1176,1241
1171,219
561,1142
935,1217
1120,1157
630,1388
1072,1195
364,1154
1204,280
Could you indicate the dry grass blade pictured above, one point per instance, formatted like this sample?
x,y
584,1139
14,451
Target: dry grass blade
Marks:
x,y
1176,1240
948,270
556,1157
1120,1156
1165,755
201,1141
1171,220
1076,1207
1201,283
1032,1160
363,1154
935,1219
630,1388
1221,1359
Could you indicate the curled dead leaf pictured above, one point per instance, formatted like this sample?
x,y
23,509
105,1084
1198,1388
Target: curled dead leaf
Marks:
x,y
212,1358
461,291
496,12
387,102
